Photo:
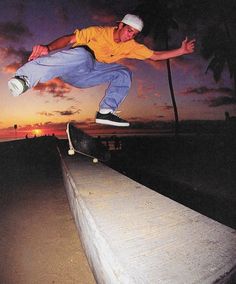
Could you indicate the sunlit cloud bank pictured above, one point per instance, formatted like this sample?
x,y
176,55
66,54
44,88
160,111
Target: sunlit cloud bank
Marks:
x,y
56,87
38,129
46,128
138,126
12,59
12,33
11,68
149,102
69,112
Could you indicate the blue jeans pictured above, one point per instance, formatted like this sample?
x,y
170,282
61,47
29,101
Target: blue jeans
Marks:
x,y
78,68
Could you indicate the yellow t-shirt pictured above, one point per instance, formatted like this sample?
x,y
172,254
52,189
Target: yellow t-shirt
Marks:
x,y
100,40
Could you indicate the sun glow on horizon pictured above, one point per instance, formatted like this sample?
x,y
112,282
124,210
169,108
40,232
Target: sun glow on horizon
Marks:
x,y
37,132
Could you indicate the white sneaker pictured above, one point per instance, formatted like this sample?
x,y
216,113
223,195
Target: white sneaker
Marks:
x,y
17,86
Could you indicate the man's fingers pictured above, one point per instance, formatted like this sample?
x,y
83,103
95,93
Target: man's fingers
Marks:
x,y
34,53
38,50
192,41
186,40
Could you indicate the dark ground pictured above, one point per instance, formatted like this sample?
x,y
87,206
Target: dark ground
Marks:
x,y
39,242
197,171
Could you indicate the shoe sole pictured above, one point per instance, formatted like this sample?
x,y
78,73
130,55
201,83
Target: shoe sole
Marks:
x,y
109,122
15,87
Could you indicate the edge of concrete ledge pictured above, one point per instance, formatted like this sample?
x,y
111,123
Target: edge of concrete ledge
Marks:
x,y
132,234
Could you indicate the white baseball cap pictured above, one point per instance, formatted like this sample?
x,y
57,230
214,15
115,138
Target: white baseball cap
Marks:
x,y
133,21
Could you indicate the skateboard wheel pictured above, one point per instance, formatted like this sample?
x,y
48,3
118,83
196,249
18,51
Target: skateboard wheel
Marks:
x,y
71,152
95,160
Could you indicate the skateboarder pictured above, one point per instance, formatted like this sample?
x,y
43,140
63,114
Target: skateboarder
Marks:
x,y
91,61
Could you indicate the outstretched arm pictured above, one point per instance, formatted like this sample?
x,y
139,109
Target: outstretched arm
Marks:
x,y
187,47
40,50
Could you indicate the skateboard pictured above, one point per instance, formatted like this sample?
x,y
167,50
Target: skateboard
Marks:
x,y
80,142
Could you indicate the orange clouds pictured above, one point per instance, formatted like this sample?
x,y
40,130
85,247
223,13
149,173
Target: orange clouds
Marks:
x,y
11,68
55,86
145,89
9,53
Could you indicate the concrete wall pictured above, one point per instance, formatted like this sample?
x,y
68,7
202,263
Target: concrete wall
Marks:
x,y
132,234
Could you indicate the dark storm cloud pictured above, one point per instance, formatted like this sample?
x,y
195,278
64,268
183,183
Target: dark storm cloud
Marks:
x,y
62,13
109,5
226,97
203,90
67,112
106,11
13,31
163,108
220,101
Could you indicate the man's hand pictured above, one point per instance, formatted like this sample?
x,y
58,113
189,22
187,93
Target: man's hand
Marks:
x,y
188,46
38,50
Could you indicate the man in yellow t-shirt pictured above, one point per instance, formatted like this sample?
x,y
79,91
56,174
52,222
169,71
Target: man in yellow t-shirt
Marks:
x,y
92,61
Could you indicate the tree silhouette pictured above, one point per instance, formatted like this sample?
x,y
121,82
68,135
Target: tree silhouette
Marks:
x,y
214,23
219,41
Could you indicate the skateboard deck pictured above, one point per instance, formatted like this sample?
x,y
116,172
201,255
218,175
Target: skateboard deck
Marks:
x,y
82,143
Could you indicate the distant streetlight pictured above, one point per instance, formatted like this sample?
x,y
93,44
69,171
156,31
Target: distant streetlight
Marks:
x,y
15,127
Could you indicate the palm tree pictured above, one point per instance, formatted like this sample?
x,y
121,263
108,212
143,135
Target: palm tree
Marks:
x,y
219,46
158,18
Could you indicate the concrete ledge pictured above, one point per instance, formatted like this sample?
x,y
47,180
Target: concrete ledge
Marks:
x,y
132,234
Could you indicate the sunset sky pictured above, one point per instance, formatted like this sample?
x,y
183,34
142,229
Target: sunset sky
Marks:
x,y
49,106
